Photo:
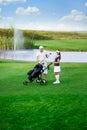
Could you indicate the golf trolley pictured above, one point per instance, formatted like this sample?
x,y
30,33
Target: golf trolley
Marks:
x,y
35,74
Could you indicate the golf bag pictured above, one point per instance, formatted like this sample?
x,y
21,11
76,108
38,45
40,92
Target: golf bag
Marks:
x,y
32,74
36,74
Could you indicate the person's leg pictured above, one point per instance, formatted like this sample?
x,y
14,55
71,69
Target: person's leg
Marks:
x,y
45,75
56,73
57,76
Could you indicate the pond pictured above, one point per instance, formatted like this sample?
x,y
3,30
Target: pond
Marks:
x,y
29,55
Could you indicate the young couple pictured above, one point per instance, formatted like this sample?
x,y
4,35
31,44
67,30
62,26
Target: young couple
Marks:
x,y
41,58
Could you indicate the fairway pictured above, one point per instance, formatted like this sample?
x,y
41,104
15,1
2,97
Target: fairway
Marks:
x,y
49,107
64,45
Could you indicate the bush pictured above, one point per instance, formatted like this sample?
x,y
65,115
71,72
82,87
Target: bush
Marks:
x,y
28,43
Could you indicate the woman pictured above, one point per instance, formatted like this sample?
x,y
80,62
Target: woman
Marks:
x,y
57,67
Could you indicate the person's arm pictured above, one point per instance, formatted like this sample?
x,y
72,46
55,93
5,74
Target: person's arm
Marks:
x,y
56,62
37,58
47,55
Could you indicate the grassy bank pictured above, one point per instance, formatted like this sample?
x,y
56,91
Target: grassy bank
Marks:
x,y
50,107
64,45
52,40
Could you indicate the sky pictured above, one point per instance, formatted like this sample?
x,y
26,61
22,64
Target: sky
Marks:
x,y
54,15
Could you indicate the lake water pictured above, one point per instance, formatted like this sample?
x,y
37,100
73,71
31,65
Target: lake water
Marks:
x,y
29,55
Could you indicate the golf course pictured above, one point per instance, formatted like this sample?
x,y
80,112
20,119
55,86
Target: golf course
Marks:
x,y
43,64
43,107
63,45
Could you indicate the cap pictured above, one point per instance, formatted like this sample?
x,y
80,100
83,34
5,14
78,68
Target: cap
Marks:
x,y
40,47
57,51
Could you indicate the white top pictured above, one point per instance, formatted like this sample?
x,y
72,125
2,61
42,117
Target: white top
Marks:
x,y
41,56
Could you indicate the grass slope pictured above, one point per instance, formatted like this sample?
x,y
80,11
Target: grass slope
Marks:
x,y
66,45
50,107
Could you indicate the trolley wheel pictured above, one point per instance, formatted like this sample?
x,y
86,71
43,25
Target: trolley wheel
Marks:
x,y
38,80
43,82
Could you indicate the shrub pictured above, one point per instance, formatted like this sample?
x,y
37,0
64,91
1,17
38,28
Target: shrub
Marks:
x,y
28,43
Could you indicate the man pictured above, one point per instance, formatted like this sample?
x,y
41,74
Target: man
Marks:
x,y
41,58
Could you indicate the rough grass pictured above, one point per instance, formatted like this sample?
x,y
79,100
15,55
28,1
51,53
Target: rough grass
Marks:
x,y
36,107
65,45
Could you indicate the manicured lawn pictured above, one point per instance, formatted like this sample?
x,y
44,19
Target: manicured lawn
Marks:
x,y
36,107
66,45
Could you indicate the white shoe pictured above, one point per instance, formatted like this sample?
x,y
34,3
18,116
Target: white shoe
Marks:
x,y
56,82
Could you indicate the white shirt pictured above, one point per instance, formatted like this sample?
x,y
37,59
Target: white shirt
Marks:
x,y
41,56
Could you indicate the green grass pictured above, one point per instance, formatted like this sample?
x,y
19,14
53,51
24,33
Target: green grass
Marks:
x,y
66,45
36,107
